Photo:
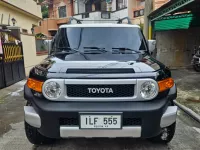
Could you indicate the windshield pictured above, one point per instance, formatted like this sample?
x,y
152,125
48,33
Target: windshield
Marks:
x,y
97,38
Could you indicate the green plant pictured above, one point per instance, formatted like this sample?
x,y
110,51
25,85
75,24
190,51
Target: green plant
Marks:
x,y
42,48
44,9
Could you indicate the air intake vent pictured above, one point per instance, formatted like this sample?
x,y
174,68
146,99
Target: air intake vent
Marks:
x,y
117,90
126,121
101,71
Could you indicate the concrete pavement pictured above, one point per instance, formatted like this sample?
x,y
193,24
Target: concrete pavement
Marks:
x,y
11,106
188,83
186,138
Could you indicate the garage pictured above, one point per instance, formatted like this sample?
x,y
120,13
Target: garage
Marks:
x,y
176,29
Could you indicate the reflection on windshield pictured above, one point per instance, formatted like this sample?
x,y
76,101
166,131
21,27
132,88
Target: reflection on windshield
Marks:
x,y
100,37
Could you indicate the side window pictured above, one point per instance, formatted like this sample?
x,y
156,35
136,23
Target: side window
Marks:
x,y
62,12
61,39
142,46
54,45
138,13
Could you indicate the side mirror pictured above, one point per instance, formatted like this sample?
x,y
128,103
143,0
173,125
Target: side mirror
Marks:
x,y
48,44
152,46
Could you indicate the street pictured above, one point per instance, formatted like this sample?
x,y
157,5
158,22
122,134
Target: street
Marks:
x,y
12,135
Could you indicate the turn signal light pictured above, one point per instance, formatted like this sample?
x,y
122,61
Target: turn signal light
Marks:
x,y
165,84
35,85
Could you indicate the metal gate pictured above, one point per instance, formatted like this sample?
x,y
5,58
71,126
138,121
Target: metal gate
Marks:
x,y
12,61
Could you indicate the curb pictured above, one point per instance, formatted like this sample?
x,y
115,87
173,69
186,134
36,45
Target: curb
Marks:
x,y
188,111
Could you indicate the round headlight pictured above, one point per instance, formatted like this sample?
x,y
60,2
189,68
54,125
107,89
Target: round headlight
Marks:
x,y
52,89
149,90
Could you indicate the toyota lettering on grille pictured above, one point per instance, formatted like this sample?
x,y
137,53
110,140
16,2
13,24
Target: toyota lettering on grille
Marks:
x,y
100,90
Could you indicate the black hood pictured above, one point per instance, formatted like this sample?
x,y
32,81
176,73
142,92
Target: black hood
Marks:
x,y
139,63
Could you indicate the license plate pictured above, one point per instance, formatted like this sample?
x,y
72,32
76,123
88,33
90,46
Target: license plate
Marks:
x,y
100,121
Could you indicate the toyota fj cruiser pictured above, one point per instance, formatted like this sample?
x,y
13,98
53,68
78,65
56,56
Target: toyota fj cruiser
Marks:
x,y
100,80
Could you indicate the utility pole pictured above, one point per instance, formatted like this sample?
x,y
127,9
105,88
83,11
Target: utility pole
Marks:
x,y
147,10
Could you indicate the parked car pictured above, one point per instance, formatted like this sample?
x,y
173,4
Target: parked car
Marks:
x,y
100,81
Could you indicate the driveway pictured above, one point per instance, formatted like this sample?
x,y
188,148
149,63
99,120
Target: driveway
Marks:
x,y
12,135
187,137
188,83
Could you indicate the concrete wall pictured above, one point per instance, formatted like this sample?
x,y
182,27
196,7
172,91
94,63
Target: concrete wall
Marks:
x,y
175,47
138,20
131,4
29,49
23,21
158,3
27,5
46,26
137,5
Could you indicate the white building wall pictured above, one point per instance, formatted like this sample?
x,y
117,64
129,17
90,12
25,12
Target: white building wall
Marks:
x,y
119,14
104,6
93,16
29,49
75,7
97,15
114,5
78,17
81,6
27,5
24,21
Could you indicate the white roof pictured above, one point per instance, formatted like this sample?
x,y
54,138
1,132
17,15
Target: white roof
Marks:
x,y
99,25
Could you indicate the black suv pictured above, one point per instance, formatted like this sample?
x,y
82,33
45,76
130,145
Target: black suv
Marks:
x,y
100,81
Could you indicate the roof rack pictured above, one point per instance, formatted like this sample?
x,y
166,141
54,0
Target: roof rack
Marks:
x,y
79,21
121,20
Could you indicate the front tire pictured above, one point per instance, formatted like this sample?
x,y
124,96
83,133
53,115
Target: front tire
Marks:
x,y
35,137
166,135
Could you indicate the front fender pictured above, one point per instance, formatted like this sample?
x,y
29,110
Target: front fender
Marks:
x,y
173,93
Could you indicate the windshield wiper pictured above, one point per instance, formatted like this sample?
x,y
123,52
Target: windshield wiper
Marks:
x,y
67,48
69,51
95,48
126,49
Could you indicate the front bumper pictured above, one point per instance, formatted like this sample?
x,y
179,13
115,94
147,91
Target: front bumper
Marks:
x,y
45,115
32,118
66,132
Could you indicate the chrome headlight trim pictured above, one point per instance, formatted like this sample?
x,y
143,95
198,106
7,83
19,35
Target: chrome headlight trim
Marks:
x,y
60,83
149,84
65,82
